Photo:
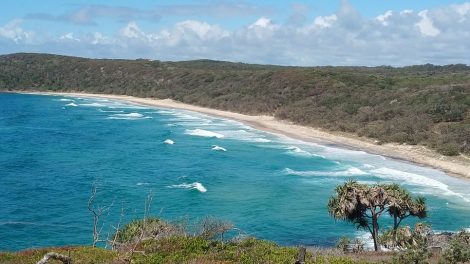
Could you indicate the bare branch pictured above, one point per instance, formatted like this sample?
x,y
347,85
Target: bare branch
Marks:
x,y
57,256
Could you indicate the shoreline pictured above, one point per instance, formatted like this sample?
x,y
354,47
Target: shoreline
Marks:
x,y
458,166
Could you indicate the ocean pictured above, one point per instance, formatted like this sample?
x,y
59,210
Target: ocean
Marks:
x,y
53,149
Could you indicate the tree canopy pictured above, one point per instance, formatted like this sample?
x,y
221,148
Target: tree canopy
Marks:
x,y
363,205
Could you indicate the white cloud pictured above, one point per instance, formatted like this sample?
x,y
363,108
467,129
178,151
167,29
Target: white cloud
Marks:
x,y
426,26
13,31
69,36
383,18
131,30
324,21
99,38
399,37
262,22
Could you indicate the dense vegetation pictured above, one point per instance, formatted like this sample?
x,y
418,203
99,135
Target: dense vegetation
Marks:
x,y
428,105
160,244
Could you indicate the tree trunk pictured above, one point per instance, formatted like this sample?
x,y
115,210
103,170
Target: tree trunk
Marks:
x,y
375,232
395,227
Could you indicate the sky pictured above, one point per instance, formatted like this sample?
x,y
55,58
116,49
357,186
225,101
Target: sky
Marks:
x,y
301,33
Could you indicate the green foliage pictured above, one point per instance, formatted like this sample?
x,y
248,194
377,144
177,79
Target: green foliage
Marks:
x,y
424,104
79,255
405,237
343,244
449,149
149,228
458,250
363,204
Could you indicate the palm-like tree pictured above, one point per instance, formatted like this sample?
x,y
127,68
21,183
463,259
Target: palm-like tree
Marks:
x,y
360,204
363,205
403,205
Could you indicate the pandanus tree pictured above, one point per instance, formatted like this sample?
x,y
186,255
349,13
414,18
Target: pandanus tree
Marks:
x,y
363,205
403,205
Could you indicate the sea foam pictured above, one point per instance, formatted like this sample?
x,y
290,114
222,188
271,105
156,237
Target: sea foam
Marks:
x,y
353,171
203,133
130,116
190,186
93,105
218,148
244,135
168,142
71,104
415,179
296,151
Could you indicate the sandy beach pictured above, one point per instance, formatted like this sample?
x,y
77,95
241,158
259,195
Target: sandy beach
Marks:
x,y
458,166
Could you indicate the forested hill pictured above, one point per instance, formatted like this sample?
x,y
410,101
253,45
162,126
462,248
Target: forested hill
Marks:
x,y
426,104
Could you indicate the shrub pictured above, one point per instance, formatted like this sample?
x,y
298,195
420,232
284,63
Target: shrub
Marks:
x,y
449,149
148,228
458,249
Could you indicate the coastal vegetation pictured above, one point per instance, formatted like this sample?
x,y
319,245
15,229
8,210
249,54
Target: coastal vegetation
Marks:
x,y
363,205
417,105
211,240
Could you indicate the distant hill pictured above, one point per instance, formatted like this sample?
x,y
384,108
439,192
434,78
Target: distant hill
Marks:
x,y
424,104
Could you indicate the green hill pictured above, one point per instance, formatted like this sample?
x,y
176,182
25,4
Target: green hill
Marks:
x,y
426,104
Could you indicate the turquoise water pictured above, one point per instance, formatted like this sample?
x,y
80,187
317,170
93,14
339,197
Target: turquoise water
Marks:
x,y
52,149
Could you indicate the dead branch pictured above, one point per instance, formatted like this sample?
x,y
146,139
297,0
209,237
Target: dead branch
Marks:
x,y
97,213
57,256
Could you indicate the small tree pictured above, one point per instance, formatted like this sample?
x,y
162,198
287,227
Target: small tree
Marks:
x,y
363,205
403,205
360,204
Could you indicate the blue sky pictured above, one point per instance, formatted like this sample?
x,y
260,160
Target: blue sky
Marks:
x,y
343,32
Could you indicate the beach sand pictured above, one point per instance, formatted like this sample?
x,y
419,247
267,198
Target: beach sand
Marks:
x,y
458,166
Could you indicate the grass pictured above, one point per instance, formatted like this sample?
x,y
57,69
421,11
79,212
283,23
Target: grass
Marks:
x,y
194,250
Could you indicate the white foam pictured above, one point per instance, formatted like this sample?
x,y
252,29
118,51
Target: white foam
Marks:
x,y
65,100
353,171
142,183
414,179
293,150
110,111
409,178
71,104
93,105
130,116
195,185
245,135
169,142
203,133
218,148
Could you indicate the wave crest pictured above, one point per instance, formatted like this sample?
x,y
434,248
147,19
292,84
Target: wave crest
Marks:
x,y
130,116
190,186
203,133
218,148
353,171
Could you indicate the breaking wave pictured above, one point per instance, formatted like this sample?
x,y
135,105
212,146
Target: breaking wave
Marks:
x,y
190,186
130,116
169,142
296,151
414,179
203,133
218,148
353,171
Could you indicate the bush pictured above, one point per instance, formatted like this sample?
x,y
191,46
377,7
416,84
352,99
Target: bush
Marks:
x,y
449,149
149,228
458,249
